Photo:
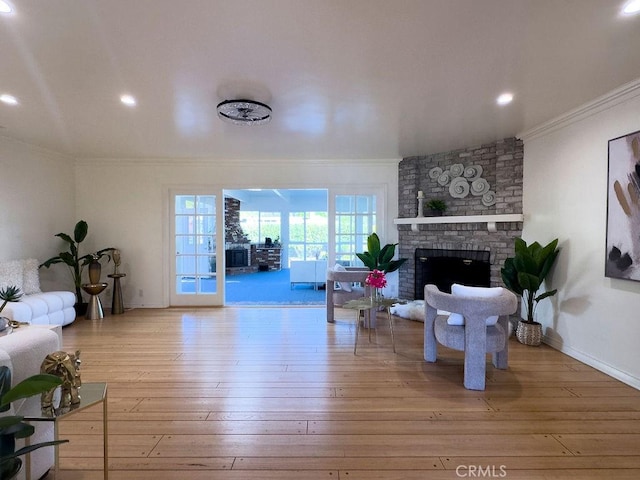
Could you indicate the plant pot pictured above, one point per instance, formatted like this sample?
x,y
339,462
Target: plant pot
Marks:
x,y
81,309
529,333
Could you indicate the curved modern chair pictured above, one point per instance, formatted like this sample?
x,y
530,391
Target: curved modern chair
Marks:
x,y
477,336
336,297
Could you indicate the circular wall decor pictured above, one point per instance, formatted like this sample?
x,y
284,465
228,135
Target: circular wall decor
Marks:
x,y
459,188
457,169
479,187
489,198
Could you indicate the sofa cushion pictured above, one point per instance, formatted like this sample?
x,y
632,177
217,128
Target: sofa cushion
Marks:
x,y
346,286
30,276
465,291
11,273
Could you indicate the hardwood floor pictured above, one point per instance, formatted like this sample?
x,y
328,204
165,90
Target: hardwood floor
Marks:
x,y
276,393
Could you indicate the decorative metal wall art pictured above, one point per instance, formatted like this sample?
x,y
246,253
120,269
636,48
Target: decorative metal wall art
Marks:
x,y
463,180
623,208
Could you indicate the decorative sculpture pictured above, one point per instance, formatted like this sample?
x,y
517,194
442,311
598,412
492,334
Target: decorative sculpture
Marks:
x,y
66,366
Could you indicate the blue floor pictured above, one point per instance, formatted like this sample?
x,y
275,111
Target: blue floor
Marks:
x,y
270,288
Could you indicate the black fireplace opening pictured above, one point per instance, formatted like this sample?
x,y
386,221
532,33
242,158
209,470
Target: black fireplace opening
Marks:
x,y
444,267
237,257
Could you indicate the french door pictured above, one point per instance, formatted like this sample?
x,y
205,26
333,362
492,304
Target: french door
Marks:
x,y
196,220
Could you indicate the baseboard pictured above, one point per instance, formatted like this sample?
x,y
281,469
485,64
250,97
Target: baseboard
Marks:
x,y
595,363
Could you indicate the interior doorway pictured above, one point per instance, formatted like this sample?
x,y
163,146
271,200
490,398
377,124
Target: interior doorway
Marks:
x,y
266,232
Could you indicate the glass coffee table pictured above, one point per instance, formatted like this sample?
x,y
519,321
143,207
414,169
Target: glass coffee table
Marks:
x,y
364,304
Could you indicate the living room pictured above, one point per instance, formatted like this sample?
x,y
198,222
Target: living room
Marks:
x,y
115,178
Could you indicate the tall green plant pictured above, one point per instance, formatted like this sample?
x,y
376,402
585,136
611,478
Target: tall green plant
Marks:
x,y
380,258
12,427
524,273
72,258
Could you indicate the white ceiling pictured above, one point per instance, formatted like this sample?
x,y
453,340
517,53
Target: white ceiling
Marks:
x,y
345,78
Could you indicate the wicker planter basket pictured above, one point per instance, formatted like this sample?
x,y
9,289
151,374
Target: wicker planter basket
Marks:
x,y
529,333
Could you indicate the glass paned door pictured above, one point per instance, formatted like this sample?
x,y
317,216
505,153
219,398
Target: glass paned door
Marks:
x,y
195,247
355,219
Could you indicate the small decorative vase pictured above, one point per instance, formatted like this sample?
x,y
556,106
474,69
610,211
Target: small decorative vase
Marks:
x,y
376,294
529,333
94,272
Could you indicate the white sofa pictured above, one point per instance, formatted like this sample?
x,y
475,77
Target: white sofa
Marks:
x,y
23,352
35,307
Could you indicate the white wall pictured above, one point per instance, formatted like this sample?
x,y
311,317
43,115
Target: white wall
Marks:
x,y
125,204
593,318
36,202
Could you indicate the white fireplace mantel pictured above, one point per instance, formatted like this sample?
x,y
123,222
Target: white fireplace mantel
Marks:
x,y
490,220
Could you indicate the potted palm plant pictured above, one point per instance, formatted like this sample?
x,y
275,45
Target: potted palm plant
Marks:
x,y
12,427
380,258
75,261
10,293
524,274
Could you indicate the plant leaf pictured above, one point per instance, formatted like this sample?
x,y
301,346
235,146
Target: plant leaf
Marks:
x,y
31,386
80,231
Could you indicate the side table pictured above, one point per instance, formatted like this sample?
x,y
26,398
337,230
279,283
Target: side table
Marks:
x,y
91,394
117,306
94,309
367,303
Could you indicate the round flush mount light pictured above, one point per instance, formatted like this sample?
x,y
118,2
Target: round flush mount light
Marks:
x,y
8,99
504,99
5,7
631,8
244,112
128,100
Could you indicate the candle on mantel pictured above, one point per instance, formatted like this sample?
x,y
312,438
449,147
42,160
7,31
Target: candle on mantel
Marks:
x,y
420,194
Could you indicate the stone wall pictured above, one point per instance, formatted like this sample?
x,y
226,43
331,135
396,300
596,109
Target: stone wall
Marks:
x,y
501,164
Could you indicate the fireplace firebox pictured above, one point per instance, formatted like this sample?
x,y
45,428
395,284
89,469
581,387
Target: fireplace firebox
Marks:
x,y
444,267
237,257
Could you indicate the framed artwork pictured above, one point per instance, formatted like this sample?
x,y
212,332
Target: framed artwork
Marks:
x,y
623,208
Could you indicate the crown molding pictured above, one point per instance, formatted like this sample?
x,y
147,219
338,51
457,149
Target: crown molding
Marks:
x,y
609,100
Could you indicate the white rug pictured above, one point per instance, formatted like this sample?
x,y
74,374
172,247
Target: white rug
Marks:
x,y
413,310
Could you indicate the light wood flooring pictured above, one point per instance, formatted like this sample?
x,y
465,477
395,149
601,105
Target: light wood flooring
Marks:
x,y
276,393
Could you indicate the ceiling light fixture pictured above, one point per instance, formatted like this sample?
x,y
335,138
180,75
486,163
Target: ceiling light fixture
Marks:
x,y
5,7
631,8
244,112
128,100
8,99
504,99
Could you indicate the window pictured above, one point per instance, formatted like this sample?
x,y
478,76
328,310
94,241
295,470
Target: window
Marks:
x,y
355,221
195,243
260,225
308,235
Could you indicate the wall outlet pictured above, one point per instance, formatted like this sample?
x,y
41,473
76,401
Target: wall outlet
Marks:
x,y
140,294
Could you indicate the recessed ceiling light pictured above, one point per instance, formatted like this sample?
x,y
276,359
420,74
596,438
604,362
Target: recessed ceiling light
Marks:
x,y
128,100
631,8
8,99
504,99
5,7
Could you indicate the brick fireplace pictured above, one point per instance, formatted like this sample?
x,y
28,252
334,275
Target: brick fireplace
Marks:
x,y
501,166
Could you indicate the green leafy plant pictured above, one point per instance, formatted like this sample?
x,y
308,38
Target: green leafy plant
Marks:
x,y
13,427
436,205
524,273
72,258
380,258
10,293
